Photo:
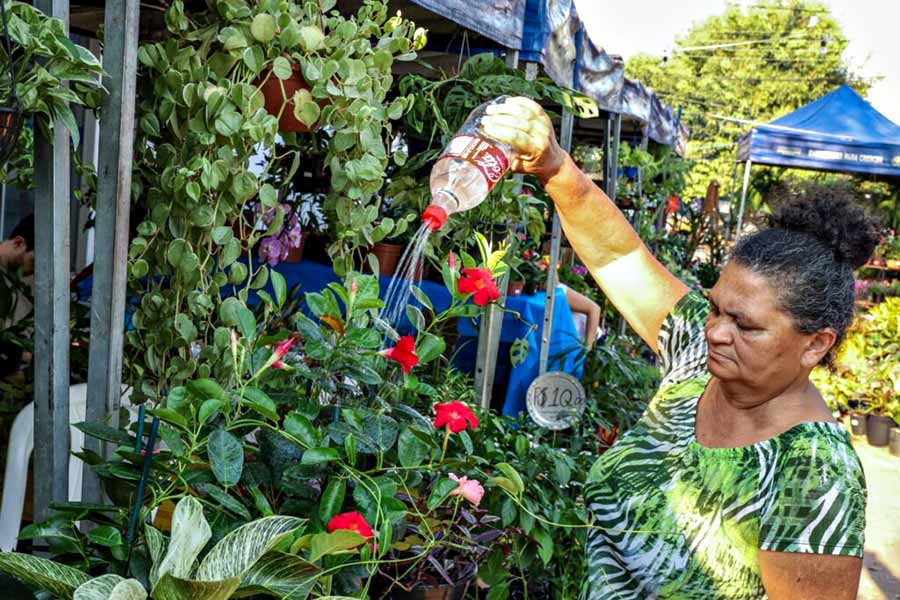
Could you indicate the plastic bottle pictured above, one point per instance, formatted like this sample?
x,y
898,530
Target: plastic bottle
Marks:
x,y
467,171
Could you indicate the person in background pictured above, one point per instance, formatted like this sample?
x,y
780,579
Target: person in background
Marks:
x,y
586,314
18,249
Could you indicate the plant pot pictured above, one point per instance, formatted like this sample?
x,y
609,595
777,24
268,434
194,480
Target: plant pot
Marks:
x,y
439,592
295,255
271,90
388,256
878,430
515,288
858,423
895,441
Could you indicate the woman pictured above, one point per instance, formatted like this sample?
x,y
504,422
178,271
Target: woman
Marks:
x,y
736,483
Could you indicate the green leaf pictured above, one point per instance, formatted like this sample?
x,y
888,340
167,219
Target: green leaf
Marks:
x,y
43,574
306,110
176,588
415,317
466,441
279,285
263,28
504,483
364,338
282,69
290,36
238,550
513,476
150,125
282,575
208,409
106,434
518,351
105,536
440,492
185,327
546,545
110,587
423,299
226,457
193,190
190,532
169,416
326,544
267,195
411,450
206,388
429,348
260,401
332,499
222,235
301,427
156,547
227,501
316,456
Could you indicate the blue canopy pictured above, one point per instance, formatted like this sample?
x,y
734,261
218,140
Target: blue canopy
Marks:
x,y
838,132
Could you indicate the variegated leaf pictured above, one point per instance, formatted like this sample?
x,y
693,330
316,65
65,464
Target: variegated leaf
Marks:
x,y
43,574
284,576
111,587
244,546
174,588
156,546
190,532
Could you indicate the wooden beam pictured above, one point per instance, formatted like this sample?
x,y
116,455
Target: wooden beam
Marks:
x,y
51,307
111,229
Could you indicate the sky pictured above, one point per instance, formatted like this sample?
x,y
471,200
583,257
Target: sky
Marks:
x,y
650,26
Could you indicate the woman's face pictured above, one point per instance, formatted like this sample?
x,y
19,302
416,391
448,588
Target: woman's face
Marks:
x,y
751,340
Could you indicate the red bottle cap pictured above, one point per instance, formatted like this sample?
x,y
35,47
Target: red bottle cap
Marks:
x,y
434,217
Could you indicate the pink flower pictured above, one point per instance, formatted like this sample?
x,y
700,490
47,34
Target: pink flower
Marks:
x,y
280,351
270,250
294,237
469,489
451,261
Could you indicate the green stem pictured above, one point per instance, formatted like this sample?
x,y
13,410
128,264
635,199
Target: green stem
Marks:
x,y
444,444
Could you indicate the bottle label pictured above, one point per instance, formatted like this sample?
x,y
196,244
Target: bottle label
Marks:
x,y
485,156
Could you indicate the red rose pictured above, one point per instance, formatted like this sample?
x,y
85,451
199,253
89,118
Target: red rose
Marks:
x,y
481,283
456,416
404,353
351,521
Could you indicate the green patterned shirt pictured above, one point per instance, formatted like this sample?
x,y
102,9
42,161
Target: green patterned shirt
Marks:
x,y
674,519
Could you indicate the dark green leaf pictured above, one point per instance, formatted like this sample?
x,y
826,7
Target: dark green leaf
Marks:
x,y
226,457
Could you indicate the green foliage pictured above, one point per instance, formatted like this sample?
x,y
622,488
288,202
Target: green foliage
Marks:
x,y
770,63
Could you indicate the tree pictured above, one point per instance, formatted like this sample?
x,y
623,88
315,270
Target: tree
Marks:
x,y
756,66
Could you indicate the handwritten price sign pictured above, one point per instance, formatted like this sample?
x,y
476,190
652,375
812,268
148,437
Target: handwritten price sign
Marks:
x,y
555,400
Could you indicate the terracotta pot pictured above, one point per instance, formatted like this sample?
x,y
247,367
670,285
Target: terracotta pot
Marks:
x,y
272,94
515,288
295,255
388,256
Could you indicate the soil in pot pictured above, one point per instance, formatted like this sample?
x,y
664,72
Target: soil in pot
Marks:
x,y
858,423
895,441
878,430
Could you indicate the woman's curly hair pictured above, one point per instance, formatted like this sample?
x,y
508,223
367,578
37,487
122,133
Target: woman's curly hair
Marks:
x,y
808,249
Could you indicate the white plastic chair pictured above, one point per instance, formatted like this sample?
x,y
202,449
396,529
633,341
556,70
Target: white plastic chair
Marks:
x,y
21,445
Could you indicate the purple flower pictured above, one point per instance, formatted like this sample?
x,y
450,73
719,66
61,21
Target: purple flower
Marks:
x,y
294,237
579,270
270,250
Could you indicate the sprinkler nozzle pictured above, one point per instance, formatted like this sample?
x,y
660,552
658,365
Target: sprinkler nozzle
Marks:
x,y
434,217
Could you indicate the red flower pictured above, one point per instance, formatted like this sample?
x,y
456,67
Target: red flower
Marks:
x,y
672,206
481,283
404,353
351,521
608,437
455,415
527,254
280,350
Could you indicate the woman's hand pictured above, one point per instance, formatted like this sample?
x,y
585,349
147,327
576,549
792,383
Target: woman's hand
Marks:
x,y
523,124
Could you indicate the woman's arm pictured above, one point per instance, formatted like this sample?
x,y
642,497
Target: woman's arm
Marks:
x,y
582,304
791,575
633,280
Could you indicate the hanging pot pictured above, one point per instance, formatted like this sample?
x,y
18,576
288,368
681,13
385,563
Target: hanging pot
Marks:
x,y
271,90
878,430
858,422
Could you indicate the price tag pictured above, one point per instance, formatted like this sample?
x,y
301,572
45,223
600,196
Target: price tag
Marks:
x,y
555,400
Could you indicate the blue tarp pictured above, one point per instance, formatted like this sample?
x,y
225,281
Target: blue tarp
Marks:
x,y
838,132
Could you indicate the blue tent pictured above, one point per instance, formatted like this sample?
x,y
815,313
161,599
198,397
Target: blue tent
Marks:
x,y
838,132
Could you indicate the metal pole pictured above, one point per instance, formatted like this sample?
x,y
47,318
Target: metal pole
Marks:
x,y
565,142
731,200
113,201
51,307
740,217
